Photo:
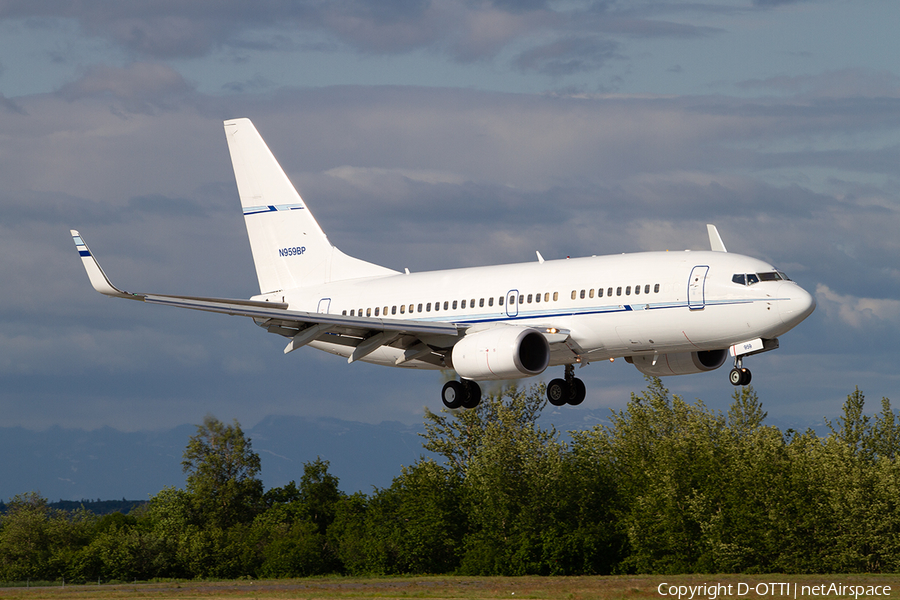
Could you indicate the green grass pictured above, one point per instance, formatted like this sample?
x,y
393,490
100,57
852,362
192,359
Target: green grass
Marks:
x,y
637,587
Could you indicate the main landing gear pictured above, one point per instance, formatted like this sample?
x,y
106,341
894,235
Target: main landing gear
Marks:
x,y
464,393
740,375
570,390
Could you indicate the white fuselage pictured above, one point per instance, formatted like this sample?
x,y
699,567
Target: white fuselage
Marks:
x,y
612,306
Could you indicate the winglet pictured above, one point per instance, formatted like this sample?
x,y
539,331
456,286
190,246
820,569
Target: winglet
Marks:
x,y
715,240
98,278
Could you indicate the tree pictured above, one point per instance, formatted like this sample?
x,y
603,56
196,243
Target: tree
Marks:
x,y
222,473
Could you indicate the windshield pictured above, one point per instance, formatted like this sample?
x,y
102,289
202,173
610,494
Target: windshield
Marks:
x,y
751,278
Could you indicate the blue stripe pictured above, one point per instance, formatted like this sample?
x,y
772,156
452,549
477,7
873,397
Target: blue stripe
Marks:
x,y
255,210
83,253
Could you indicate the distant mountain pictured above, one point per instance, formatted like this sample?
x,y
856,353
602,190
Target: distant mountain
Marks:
x,y
74,464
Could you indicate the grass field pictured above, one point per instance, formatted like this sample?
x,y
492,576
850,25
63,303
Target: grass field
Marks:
x,y
477,588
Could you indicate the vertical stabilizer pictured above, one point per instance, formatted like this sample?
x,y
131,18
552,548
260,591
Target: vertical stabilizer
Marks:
x,y
289,248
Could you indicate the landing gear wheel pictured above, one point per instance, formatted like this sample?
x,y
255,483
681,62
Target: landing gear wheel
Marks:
x,y
453,394
472,394
740,376
577,392
558,392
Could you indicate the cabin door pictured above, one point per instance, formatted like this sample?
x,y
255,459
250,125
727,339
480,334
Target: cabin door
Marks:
x,y
512,303
697,287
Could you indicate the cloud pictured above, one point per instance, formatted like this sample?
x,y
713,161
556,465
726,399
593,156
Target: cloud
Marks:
x,y
402,176
842,83
859,313
140,87
462,30
568,56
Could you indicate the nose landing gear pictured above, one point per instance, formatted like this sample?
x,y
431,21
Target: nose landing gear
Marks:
x,y
739,375
570,390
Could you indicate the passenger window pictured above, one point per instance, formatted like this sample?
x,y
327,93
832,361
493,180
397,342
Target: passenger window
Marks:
x,y
411,306
582,294
546,296
609,291
574,294
555,296
491,301
446,304
420,307
394,310
619,291
352,311
600,292
472,303
628,291
591,293
637,290
500,300
368,312
647,289
437,306
376,311
344,313
656,289
529,298
384,312
537,297
454,304
359,312
428,307
402,309
480,302
463,304
521,298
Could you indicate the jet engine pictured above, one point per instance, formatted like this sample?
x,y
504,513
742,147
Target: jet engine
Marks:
x,y
501,352
679,363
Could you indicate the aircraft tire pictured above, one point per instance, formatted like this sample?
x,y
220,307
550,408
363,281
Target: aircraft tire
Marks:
x,y
577,392
453,394
557,392
735,377
472,393
745,376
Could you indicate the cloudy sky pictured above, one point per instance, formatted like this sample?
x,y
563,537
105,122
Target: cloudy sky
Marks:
x,y
432,134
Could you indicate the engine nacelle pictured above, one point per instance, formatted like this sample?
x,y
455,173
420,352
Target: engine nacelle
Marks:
x,y
679,363
502,352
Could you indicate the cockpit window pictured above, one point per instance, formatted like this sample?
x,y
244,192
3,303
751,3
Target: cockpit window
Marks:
x,y
751,278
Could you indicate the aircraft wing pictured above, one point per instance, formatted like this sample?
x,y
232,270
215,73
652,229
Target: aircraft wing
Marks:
x,y
365,334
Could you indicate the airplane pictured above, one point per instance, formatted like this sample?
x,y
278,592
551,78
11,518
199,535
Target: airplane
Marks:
x,y
667,313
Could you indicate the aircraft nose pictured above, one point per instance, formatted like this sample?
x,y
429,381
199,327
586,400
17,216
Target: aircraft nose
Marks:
x,y
798,305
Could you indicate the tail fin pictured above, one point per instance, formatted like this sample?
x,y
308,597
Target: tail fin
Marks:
x,y
289,248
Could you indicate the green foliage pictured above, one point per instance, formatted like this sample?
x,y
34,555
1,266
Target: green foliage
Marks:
x,y
222,473
667,486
